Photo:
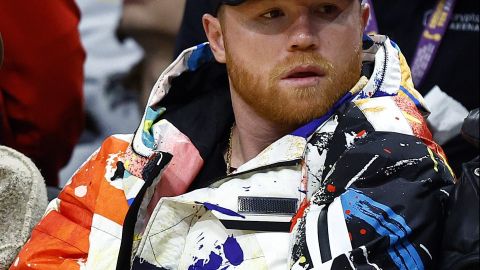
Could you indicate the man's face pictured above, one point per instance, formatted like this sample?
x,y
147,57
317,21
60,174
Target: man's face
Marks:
x,y
291,60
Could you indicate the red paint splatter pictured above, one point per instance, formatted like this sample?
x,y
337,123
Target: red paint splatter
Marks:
x,y
348,212
300,213
331,188
350,235
361,133
387,150
363,231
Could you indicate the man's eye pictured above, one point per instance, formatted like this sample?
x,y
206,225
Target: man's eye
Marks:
x,y
272,14
328,9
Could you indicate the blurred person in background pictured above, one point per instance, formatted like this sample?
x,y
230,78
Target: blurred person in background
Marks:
x,y
128,44
41,99
153,24
107,59
1,50
461,243
106,55
23,198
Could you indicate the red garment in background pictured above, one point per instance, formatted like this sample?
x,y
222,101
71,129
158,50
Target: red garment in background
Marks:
x,y
41,80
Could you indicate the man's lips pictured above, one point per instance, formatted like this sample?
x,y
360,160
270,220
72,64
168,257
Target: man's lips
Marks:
x,y
303,76
304,72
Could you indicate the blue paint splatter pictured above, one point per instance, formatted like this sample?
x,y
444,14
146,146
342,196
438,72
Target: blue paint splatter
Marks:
x,y
150,118
413,98
232,255
130,201
214,263
395,46
308,129
233,251
225,211
386,223
201,55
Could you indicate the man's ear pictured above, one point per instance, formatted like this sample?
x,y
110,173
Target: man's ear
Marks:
x,y
214,33
365,15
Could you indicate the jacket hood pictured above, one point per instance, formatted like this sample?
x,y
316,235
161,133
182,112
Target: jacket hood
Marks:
x,y
195,75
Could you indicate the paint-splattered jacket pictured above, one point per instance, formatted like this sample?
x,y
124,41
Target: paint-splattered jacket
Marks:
x,y
363,186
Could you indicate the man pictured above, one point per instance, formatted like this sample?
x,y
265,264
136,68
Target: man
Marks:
x,y
297,156
450,81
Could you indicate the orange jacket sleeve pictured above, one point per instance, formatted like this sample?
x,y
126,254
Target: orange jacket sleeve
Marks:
x,y
61,240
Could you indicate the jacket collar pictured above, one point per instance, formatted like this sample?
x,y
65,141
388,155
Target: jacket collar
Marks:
x,y
388,77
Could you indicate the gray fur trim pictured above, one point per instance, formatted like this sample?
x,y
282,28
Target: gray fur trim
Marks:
x,y
23,200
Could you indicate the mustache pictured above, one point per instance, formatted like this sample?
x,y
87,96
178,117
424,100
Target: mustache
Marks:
x,y
303,59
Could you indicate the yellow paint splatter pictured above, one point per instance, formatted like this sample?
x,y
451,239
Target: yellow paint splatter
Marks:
x,y
411,118
361,102
407,81
360,85
445,162
435,167
449,168
373,110
302,260
147,125
137,237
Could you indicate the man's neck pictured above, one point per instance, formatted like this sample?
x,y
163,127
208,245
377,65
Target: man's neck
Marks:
x,y
252,133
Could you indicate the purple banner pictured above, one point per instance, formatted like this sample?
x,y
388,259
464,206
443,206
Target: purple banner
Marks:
x,y
431,39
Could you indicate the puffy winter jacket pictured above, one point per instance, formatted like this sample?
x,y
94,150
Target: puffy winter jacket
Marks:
x,y
362,186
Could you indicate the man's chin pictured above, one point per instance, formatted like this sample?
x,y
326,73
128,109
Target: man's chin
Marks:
x,y
292,122
293,112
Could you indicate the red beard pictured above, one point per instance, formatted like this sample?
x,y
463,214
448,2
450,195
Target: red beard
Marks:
x,y
294,106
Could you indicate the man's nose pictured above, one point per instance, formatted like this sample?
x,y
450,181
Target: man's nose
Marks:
x,y
303,34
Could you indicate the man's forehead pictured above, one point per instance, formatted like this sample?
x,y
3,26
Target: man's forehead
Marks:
x,y
217,3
